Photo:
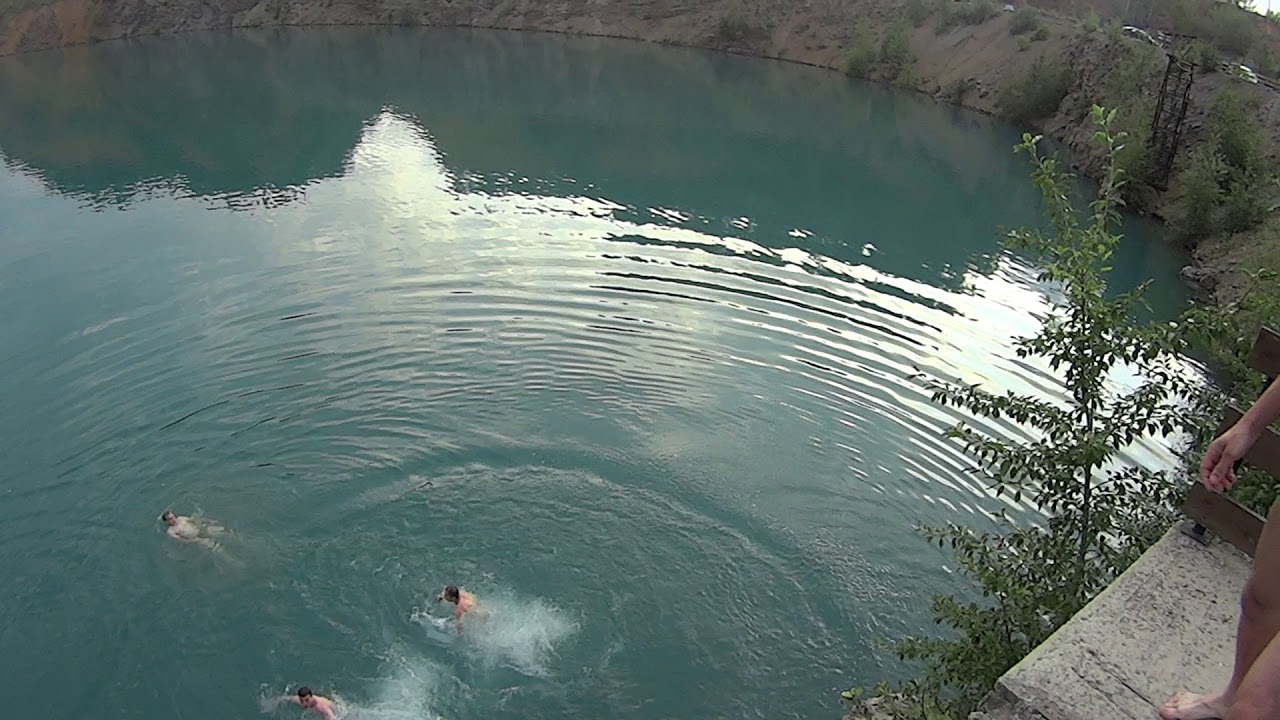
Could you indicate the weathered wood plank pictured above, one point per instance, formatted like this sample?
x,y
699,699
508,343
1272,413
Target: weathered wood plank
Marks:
x,y
1265,453
1265,355
1224,517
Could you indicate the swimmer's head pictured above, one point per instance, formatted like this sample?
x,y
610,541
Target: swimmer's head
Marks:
x,y
450,594
306,697
169,518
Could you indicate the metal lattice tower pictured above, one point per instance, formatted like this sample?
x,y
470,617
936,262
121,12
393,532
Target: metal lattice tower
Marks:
x,y
1171,109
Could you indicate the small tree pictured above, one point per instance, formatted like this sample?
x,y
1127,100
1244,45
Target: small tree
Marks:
x,y
1206,57
895,52
1090,23
1037,93
918,11
1099,517
1239,138
1025,19
862,57
1201,190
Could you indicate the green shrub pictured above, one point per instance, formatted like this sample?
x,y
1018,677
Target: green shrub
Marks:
x,y
895,52
1090,23
1234,120
1201,191
1225,333
1132,75
1206,57
1242,208
1025,19
976,12
1226,27
862,58
1037,93
736,27
967,12
1223,179
918,11
1232,30
1265,62
1133,160
1041,34
907,77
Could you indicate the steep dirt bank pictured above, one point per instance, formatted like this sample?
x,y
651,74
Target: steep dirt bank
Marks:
x,y
819,32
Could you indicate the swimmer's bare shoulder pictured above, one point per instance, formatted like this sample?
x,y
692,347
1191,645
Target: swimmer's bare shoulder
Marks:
x,y
319,704
463,601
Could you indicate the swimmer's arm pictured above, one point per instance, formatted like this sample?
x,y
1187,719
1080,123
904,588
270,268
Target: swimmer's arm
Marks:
x,y
197,540
210,526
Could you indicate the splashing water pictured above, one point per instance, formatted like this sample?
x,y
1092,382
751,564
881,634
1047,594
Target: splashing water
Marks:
x,y
416,690
505,630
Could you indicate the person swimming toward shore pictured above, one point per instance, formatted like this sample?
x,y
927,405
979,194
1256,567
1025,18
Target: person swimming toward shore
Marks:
x,y
188,530
465,601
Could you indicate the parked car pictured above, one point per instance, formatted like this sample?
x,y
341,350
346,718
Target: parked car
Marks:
x,y
1138,33
1244,72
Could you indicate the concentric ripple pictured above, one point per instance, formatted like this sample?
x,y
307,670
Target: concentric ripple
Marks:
x,y
677,439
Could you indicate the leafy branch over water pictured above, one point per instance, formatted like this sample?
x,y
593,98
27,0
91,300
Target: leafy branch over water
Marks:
x,y
1100,515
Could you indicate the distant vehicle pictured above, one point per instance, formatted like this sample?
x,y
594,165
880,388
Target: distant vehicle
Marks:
x,y
1138,33
1009,7
1244,72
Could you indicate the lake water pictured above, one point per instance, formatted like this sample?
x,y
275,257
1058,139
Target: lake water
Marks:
x,y
619,337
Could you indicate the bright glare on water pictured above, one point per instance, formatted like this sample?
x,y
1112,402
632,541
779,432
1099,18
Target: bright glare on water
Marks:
x,y
619,337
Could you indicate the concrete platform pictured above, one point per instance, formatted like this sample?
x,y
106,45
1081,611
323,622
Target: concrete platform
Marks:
x,y
1168,623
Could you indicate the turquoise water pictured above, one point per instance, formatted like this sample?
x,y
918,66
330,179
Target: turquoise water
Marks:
x,y
619,337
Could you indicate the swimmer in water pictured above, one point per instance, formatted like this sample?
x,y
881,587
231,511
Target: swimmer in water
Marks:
x,y
185,529
319,704
464,600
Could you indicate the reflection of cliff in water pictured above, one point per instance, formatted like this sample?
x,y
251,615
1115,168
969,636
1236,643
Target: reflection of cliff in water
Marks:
x,y
254,116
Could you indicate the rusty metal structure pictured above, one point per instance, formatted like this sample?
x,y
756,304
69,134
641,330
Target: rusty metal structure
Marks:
x,y
1171,109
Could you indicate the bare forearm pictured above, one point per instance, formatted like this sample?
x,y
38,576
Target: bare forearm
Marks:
x,y
1264,411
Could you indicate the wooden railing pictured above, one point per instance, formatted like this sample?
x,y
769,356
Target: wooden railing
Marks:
x,y
1216,513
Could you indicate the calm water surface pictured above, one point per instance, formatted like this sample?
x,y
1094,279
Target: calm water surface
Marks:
x,y
620,337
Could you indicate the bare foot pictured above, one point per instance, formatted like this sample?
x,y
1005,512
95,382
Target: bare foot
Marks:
x,y
1190,706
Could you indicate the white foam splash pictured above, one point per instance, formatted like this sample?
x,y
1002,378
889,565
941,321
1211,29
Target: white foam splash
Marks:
x,y
418,689
505,630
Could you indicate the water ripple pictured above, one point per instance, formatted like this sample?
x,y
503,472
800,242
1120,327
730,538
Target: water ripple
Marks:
x,y
531,351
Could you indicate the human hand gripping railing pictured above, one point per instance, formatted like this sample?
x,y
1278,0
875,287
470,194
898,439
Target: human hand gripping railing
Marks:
x,y
1241,437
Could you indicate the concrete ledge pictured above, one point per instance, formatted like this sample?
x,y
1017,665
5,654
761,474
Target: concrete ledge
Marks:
x,y
1168,623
